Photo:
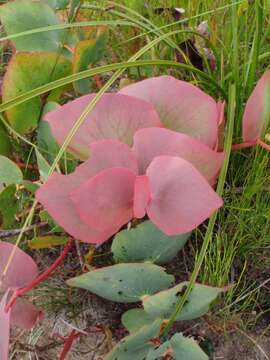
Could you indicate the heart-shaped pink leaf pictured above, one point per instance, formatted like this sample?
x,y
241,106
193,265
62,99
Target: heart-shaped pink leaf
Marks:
x,y
4,328
21,270
106,200
181,198
25,315
152,142
257,111
54,195
115,117
181,106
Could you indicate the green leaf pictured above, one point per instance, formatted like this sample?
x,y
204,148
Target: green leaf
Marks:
x,y
45,216
43,166
21,15
30,186
5,145
124,282
134,319
46,143
163,303
160,352
180,348
146,243
10,173
57,4
9,206
186,348
136,346
25,72
45,242
88,52
48,146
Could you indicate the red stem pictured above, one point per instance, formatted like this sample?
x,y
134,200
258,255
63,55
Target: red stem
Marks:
x,y
98,81
19,292
263,145
244,145
251,144
68,344
73,336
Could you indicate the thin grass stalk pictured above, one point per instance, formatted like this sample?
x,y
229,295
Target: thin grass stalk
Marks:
x,y
254,59
100,70
69,26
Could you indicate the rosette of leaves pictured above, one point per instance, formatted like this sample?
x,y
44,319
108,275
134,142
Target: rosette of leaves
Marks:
x,y
126,150
145,325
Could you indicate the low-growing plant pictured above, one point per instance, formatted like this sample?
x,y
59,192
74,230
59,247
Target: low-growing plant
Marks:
x,y
142,157
149,157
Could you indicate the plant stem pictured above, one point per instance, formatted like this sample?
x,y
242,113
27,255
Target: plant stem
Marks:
x,y
19,292
68,344
13,232
243,145
263,144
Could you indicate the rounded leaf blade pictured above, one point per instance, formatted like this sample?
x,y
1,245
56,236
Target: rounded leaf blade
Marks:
x,y
163,303
22,15
10,173
125,283
136,346
181,106
134,319
146,243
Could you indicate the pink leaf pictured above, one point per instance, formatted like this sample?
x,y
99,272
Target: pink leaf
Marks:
x,y
181,198
22,268
115,117
152,142
257,111
181,106
221,126
4,328
25,315
54,195
141,196
106,201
